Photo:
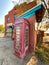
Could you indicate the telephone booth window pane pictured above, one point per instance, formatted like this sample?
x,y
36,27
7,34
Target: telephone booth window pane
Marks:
x,y
18,29
26,36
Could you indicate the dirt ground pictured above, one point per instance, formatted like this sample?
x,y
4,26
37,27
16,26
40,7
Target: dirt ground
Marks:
x,y
1,34
7,56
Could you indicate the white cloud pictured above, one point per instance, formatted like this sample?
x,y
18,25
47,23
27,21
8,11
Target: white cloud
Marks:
x,y
18,1
15,0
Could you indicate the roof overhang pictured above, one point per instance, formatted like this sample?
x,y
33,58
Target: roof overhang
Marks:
x,y
30,12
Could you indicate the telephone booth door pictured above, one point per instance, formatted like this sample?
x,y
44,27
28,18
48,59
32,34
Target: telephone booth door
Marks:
x,y
21,40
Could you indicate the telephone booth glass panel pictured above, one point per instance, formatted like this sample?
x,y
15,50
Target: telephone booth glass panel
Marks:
x,y
18,31
26,36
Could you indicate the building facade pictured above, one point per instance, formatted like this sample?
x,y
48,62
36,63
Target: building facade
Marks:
x,y
12,16
28,11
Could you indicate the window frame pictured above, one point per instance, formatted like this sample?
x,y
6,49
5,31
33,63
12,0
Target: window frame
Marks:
x,y
15,16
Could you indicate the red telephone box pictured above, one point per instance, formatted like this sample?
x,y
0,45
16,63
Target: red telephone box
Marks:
x,y
21,40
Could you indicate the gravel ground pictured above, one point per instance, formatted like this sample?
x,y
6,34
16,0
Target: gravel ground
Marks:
x,y
1,34
8,58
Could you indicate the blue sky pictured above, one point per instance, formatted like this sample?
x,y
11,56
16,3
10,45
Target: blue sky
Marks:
x,y
5,6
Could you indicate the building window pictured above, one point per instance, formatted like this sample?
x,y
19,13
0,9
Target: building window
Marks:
x,y
15,17
26,36
9,31
8,19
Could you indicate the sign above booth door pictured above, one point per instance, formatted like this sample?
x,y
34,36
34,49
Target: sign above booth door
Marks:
x,y
10,24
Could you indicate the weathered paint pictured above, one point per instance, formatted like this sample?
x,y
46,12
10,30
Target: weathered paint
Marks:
x,y
24,50
32,32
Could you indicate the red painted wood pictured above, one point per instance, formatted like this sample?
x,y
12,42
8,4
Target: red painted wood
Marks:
x,y
33,35
23,51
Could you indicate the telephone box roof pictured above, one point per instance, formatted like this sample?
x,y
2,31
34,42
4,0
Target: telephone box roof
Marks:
x,y
21,20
